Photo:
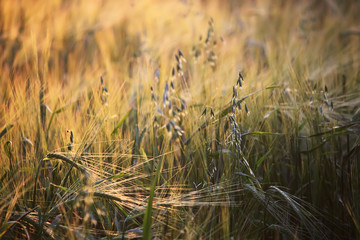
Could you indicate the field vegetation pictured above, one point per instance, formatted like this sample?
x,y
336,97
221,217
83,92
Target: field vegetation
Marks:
x,y
179,119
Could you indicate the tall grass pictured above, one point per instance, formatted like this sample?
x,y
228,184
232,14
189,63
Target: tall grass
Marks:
x,y
179,120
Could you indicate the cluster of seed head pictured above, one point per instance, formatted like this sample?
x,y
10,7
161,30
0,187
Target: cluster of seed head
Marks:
x,y
235,133
179,67
236,103
325,100
204,112
322,98
171,108
207,46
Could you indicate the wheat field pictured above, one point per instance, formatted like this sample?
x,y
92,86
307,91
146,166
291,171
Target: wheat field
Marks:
x,y
179,119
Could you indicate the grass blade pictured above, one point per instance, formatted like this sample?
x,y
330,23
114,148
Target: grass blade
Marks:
x,y
122,120
148,212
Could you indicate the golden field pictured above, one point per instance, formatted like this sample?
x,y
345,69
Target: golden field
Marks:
x,y
179,119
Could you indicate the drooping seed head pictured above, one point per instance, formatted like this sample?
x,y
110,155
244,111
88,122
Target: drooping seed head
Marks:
x,y
168,127
183,104
247,108
181,53
234,92
239,105
203,114
212,113
241,76
231,118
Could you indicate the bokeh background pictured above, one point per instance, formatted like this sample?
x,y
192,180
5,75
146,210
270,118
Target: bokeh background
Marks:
x,y
179,119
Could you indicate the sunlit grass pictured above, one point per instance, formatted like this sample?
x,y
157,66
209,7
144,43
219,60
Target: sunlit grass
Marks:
x,y
179,120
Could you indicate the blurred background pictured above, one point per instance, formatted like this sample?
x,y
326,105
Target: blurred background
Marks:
x,y
129,81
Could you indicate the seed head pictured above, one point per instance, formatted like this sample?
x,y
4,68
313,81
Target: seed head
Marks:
x,y
203,113
239,105
212,113
234,92
241,76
